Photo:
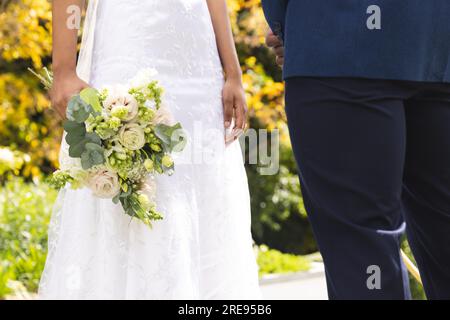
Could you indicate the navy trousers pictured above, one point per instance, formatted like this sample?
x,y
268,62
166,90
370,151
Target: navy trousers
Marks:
x,y
374,160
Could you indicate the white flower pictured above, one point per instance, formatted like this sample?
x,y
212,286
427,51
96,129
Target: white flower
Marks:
x,y
104,183
132,136
143,78
119,98
163,116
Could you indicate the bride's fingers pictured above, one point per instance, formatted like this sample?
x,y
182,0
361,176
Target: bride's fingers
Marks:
x,y
240,117
227,110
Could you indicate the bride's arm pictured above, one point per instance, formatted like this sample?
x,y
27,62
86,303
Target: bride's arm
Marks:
x,y
233,91
66,82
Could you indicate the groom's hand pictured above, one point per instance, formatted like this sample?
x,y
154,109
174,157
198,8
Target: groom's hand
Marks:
x,y
277,45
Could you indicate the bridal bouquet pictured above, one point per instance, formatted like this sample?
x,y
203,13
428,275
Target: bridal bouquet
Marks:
x,y
119,138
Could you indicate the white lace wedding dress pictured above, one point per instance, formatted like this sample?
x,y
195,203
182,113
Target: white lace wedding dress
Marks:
x,y
203,247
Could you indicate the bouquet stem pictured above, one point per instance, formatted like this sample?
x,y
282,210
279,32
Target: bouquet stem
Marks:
x,y
46,78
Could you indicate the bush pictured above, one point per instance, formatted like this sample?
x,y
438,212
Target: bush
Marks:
x,y
25,210
272,261
278,215
11,162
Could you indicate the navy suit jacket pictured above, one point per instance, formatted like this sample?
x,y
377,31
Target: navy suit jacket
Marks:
x,y
331,38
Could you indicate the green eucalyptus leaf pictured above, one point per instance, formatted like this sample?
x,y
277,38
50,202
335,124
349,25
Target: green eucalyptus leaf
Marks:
x,y
93,138
90,96
78,110
73,126
92,156
116,199
75,136
166,134
94,147
73,140
77,149
74,129
86,162
161,131
126,194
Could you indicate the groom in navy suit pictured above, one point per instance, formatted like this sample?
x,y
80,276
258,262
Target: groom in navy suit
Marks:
x,y
368,107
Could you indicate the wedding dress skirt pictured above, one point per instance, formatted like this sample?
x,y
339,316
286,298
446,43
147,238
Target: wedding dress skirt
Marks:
x,y
203,247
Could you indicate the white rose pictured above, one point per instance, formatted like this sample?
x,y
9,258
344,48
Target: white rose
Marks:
x,y
119,97
163,116
104,183
132,136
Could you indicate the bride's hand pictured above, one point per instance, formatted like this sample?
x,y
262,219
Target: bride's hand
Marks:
x,y
65,86
235,106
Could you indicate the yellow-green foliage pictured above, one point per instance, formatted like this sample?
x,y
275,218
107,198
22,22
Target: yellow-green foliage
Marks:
x,y
25,121
11,162
25,31
25,209
273,261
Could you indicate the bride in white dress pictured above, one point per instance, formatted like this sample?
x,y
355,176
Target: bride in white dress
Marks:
x,y
203,247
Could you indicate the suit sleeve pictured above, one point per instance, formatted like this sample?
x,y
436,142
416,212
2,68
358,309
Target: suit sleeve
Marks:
x,y
275,12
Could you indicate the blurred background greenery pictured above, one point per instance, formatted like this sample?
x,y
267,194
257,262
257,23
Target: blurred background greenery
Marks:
x,y
30,135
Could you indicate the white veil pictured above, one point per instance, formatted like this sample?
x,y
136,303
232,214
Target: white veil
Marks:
x,y
87,42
